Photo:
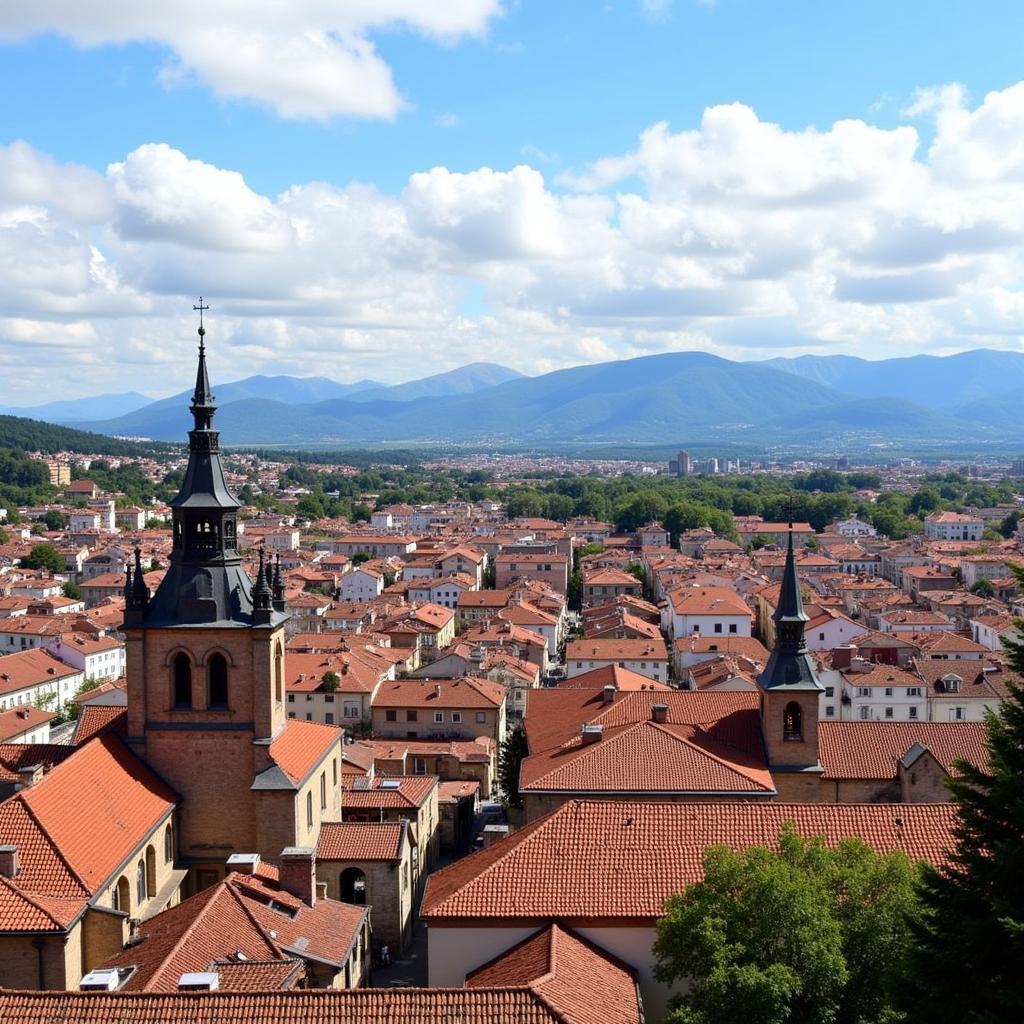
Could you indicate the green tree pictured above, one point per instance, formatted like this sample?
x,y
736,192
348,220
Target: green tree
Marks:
x,y
760,541
4,536
969,952
513,749
72,590
802,935
639,510
984,588
44,556
55,519
329,681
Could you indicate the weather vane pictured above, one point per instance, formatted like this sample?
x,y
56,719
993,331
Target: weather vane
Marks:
x,y
200,308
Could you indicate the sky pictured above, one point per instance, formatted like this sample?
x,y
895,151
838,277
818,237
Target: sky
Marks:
x,y
394,188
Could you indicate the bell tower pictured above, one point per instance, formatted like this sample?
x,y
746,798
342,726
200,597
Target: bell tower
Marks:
x,y
205,656
790,693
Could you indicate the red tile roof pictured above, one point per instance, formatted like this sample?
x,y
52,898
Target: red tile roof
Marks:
x,y
469,692
870,750
361,1006
357,840
623,679
249,913
300,746
622,859
410,793
20,720
611,649
95,719
584,983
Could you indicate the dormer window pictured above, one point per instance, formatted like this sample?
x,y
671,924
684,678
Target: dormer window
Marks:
x,y
951,683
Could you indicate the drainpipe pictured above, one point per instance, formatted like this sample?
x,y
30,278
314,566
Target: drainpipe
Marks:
x,y
40,944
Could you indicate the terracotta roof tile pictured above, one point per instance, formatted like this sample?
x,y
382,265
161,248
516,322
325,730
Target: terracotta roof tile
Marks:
x,y
357,840
301,746
622,859
362,1006
584,983
870,750
468,692
410,793
95,719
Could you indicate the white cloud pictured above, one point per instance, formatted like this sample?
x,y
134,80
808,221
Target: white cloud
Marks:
x,y
304,58
737,236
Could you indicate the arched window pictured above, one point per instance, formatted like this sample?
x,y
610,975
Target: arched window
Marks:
x,y
309,810
140,883
150,871
168,845
792,722
120,897
217,681
278,674
182,672
352,886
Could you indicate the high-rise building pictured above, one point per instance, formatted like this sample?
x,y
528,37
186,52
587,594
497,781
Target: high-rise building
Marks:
x,y
684,464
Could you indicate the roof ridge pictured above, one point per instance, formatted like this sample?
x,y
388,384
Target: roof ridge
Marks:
x,y
18,891
51,842
731,766
186,933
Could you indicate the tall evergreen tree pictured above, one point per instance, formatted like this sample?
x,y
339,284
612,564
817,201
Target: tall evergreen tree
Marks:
x,y
969,961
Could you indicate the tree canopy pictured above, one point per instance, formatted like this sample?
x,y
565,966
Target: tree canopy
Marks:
x,y
44,556
969,960
805,934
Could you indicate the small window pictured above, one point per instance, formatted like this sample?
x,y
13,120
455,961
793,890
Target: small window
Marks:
x,y
309,810
168,844
888,691
390,716
830,711
419,766
481,716
865,713
291,698
733,627
888,712
323,790
718,627
217,681
438,717
140,883
329,718
412,715
792,722
181,669
456,716
913,712
830,691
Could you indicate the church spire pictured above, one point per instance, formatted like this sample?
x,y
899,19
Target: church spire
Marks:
x,y
790,665
205,582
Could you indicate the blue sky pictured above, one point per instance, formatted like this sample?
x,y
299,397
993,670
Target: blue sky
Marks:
x,y
200,161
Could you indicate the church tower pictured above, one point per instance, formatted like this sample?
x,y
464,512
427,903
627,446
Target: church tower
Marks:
x,y
205,659
790,693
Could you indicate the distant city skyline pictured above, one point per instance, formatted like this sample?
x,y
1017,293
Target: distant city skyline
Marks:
x,y
398,193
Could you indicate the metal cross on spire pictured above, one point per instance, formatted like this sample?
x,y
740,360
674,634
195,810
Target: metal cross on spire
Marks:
x,y
200,308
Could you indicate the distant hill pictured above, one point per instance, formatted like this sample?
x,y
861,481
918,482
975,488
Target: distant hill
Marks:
x,y
667,399
77,410
34,435
942,383
463,381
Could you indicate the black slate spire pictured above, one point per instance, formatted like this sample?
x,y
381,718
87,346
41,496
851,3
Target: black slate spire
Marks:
x,y
205,582
279,604
262,596
790,666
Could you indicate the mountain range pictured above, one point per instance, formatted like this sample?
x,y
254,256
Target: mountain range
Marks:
x,y
673,398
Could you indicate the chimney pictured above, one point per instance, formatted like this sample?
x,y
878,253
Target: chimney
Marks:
x,y
591,733
9,863
244,863
28,777
608,694
298,873
842,655
659,713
